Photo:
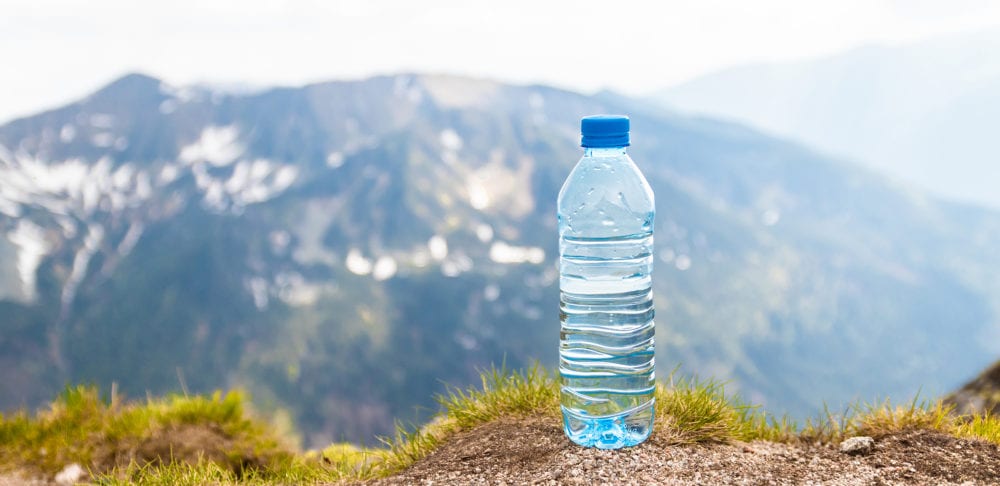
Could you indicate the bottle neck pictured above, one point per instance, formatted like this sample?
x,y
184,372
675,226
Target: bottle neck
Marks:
x,y
603,151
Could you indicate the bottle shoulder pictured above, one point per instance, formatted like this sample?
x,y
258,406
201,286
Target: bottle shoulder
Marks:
x,y
605,196
593,175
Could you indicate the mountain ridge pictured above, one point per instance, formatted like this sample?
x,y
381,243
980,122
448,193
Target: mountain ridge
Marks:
x,y
340,249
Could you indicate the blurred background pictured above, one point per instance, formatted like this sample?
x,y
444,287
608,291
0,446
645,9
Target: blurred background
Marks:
x,y
344,206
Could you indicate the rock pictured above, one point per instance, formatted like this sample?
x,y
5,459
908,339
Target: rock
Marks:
x,y
572,460
857,446
70,474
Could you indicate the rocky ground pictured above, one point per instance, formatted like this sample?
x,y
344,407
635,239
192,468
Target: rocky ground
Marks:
x,y
20,479
534,451
514,451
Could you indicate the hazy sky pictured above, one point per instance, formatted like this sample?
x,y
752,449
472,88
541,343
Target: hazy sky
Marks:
x,y
54,51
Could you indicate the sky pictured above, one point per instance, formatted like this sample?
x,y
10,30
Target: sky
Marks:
x,y
56,51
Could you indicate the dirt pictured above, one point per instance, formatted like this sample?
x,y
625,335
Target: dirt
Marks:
x,y
18,478
183,443
535,451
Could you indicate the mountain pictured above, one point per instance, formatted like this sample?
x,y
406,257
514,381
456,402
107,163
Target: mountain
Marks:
x,y
343,250
923,113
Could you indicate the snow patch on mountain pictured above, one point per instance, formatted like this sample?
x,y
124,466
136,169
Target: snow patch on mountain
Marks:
x,y
450,139
484,232
294,290
497,185
69,187
91,243
31,248
182,94
438,247
384,269
479,195
102,120
251,182
217,145
356,263
67,133
334,160
502,252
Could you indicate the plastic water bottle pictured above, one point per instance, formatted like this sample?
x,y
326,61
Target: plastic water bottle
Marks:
x,y
605,263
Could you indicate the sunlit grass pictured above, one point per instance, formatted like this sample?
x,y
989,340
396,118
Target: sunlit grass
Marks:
x,y
689,410
102,434
985,427
502,393
883,419
173,473
299,470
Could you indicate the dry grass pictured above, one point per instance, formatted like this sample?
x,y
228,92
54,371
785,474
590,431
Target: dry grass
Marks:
x,y
173,440
984,427
884,418
502,393
693,410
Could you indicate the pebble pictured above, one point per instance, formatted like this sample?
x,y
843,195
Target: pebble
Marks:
x,y
70,474
858,446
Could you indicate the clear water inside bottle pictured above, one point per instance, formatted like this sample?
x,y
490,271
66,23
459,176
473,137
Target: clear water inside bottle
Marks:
x,y
606,358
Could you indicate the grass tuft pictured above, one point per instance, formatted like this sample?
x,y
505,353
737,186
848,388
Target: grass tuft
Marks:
x,y
983,427
103,435
883,419
693,410
305,469
173,473
502,393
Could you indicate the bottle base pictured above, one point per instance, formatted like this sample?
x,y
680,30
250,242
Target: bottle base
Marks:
x,y
614,432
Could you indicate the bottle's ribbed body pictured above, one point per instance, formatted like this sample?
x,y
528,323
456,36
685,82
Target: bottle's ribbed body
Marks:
x,y
606,361
606,347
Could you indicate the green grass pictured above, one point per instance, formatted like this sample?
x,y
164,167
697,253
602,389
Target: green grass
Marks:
x,y
109,438
103,434
689,410
502,394
299,470
985,427
884,418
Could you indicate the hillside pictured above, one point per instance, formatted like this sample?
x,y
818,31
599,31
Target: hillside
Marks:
x,y
980,394
342,249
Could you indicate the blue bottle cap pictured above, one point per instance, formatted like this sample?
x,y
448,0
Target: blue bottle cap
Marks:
x,y
604,131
